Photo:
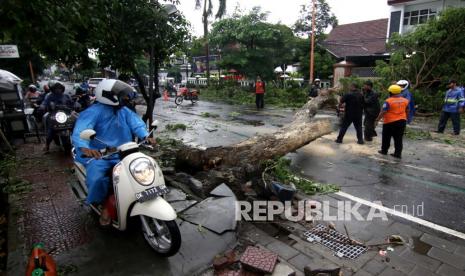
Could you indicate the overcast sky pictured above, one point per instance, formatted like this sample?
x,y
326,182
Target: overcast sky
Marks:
x,y
287,11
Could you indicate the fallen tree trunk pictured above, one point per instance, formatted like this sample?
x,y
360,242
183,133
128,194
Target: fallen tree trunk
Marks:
x,y
301,131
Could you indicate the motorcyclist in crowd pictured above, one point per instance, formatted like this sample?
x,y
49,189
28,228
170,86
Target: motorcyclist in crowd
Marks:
x,y
45,92
31,95
53,99
411,102
114,124
82,98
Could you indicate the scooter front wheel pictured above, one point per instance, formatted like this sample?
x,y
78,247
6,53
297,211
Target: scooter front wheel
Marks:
x,y
178,100
163,236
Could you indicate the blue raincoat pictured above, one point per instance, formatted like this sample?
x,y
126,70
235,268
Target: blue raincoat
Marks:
x,y
113,126
411,104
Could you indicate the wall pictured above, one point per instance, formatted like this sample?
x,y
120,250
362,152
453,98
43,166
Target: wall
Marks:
x,y
438,5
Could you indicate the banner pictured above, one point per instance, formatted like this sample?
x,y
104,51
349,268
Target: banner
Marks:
x,y
200,63
9,51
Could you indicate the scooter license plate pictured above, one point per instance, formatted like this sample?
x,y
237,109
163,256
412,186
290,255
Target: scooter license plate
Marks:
x,y
151,193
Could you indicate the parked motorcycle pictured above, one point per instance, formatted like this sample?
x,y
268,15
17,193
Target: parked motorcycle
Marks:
x,y
61,119
138,186
186,94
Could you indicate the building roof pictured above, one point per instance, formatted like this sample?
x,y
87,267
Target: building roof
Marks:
x,y
358,39
392,2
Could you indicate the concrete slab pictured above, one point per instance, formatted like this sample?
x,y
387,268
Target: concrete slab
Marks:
x,y
180,206
215,214
222,190
175,195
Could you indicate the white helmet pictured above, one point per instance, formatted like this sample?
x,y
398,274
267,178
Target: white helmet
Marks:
x,y
317,80
109,91
403,84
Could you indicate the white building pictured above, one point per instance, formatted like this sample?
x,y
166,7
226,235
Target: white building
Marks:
x,y
406,14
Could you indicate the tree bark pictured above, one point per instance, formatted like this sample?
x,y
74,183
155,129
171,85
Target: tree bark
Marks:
x,y
301,131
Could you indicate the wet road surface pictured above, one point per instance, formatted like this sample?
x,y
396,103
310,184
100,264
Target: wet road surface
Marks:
x,y
428,182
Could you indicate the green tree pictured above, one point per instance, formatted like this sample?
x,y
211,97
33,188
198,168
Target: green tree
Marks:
x,y
42,28
251,45
433,52
139,28
207,13
324,19
323,63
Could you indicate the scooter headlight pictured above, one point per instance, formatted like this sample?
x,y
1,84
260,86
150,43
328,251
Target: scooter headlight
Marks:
x,y
61,117
143,171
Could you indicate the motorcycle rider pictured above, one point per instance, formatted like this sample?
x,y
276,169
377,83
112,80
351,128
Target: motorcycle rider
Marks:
x,y
82,97
114,124
56,97
31,95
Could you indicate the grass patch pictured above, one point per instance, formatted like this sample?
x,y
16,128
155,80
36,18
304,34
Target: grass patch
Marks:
x,y
289,97
280,171
175,127
416,134
234,114
209,115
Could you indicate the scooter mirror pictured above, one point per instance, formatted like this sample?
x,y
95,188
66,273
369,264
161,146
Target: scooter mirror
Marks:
x,y
87,134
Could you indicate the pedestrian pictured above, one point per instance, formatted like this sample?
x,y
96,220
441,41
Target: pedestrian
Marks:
x,y
411,102
260,93
453,105
353,114
372,108
314,89
394,114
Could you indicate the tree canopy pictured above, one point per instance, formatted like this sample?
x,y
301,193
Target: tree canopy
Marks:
x,y
253,46
324,19
433,52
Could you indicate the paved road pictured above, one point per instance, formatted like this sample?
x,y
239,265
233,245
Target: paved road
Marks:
x,y
430,174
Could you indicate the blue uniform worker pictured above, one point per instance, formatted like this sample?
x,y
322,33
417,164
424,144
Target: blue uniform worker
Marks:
x,y
115,125
454,103
407,95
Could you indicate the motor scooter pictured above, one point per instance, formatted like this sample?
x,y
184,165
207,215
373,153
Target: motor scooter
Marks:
x,y
61,119
138,187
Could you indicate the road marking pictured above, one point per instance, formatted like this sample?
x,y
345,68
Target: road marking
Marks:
x,y
420,221
417,167
391,172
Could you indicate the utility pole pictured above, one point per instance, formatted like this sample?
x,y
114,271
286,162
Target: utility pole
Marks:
x,y
312,46
32,72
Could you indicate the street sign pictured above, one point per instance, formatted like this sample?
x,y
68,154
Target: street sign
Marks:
x,y
9,51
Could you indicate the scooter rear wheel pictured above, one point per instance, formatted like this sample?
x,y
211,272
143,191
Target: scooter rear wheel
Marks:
x,y
163,236
194,99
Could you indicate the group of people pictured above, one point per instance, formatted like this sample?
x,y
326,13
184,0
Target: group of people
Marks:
x,y
396,112
53,94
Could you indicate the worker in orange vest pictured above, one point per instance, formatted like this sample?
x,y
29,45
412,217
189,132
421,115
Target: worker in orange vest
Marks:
x,y
259,93
394,114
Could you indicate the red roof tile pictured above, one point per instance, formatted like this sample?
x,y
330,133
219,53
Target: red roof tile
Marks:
x,y
358,39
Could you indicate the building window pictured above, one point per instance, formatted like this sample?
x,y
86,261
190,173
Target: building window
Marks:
x,y
418,17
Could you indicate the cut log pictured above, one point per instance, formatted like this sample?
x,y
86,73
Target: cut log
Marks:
x,y
301,131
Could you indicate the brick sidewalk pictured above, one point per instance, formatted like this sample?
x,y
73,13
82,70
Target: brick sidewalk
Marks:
x,y
426,252
48,212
